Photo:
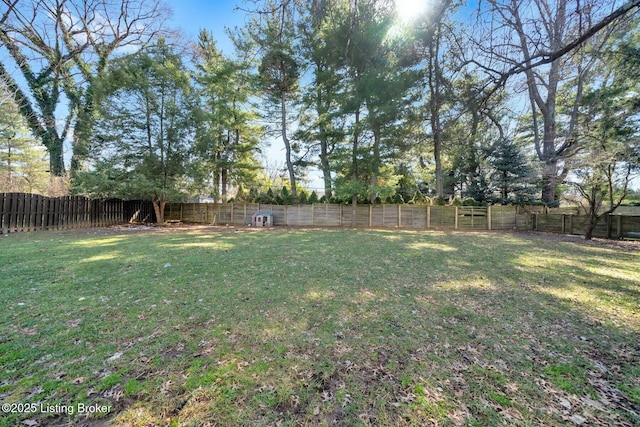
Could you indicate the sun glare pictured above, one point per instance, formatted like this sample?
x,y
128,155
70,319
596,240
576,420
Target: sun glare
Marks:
x,y
408,10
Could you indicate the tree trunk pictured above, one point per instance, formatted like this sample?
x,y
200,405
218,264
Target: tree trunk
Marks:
x,y
322,107
354,170
434,109
223,179
375,161
549,179
158,207
56,155
588,231
326,171
287,145
9,165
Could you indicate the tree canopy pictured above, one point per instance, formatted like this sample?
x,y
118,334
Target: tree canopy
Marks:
x,y
499,101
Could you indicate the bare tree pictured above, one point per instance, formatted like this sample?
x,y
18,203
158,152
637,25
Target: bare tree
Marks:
x,y
545,41
435,48
60,47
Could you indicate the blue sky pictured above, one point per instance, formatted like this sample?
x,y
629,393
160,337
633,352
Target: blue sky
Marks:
x,y
190,16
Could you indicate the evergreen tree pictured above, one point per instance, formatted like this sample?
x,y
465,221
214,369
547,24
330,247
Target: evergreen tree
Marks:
x,y
23,161
145,130
510,177
226,137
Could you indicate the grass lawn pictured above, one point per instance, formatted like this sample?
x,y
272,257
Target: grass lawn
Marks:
x,y
202,326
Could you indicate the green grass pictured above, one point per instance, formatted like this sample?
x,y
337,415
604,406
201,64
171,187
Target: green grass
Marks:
x,y
319,327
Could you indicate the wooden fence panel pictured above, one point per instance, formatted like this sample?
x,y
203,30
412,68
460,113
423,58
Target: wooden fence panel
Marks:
x,y
414,216
443,217
326,215
377,215
28,212
472,218
346,213
389,216
27,215
16,212
4,213
279,214
294,216
224,214
550,223
245,213
362,215
629,226
95,213
506,217
20,212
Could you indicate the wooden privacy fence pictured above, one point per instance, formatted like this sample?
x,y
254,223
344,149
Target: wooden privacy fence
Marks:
x,y
29,212
382,216
536,218
611,227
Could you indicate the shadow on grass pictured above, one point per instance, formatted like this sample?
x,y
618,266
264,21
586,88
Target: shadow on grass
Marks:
x,y
347,327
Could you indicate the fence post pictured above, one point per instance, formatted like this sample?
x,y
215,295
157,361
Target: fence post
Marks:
x,y
399,215
489,219
313,214
571,224
428,216
564,228
455,221
619,226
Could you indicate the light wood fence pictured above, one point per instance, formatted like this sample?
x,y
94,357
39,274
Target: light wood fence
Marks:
x,y
377,216
536,218
611,227
29,212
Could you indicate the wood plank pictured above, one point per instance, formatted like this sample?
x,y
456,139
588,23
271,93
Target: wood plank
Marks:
x,y
13,213
4,213
30,212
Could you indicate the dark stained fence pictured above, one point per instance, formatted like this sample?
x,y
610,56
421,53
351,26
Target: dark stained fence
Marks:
x,y
29,212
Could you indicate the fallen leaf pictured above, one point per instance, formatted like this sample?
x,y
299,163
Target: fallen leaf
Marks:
x,y
565,403
73,323
78,380
116,356
578,419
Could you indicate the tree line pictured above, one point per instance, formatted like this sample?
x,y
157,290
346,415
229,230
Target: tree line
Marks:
x,y
498,101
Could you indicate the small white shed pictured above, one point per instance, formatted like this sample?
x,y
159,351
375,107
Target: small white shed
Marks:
x,y
262,219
